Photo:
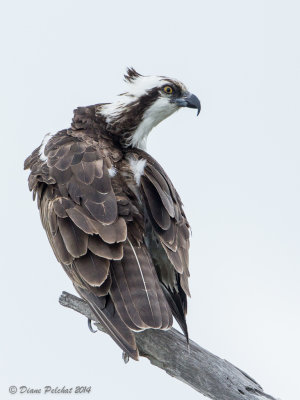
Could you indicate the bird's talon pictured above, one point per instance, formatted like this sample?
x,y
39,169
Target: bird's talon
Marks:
x,y
125,357
90,326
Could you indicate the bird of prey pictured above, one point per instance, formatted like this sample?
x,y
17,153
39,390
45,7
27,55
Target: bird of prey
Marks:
x,y
112,216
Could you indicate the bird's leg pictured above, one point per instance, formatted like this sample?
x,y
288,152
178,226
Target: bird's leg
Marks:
x,y
125,357
90,326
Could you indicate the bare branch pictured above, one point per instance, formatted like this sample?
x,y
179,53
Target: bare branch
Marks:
x,y
208,374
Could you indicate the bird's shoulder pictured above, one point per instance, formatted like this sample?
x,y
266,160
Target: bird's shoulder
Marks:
x,y
67,148
155,173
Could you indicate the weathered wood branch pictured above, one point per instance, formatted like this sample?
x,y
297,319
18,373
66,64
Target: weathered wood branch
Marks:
x,y
208,374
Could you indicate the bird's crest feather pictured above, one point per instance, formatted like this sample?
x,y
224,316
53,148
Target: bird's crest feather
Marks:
x,y
131,75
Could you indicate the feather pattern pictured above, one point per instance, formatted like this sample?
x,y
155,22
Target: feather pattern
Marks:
x,y
114,220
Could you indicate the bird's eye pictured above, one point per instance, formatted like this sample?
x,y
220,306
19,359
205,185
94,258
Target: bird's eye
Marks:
x,y
168,89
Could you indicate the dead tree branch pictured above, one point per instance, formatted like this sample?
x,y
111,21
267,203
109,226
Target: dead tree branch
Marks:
x,y
208,374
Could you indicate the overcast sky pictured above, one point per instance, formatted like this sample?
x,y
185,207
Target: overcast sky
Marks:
x,y
236,168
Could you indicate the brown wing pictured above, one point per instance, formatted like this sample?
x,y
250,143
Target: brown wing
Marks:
x,y
168,235
96,233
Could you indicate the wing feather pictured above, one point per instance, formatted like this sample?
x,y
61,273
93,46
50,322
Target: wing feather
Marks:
x,y
75,239
168,234
100,248
136,292
153,200
121,296
92,269
96,229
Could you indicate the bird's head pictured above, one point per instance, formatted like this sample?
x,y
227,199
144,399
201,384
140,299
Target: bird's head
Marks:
x,y
147,102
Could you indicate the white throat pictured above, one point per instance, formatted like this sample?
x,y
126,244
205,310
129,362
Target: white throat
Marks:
x,y
156,113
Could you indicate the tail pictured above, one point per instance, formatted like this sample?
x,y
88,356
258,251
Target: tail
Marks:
x,y
178,305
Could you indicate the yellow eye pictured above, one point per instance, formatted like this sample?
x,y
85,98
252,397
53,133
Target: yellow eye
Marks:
x,y
168,89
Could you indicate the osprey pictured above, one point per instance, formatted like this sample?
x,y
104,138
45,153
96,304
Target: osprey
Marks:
x,y
112,216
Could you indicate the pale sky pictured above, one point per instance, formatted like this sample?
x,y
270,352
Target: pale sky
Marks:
x,y
236,168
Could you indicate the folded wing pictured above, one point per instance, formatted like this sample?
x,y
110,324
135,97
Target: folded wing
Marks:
x,y
96,233
167,235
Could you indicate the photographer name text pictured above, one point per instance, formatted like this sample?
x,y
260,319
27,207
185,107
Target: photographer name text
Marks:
x,y
50,390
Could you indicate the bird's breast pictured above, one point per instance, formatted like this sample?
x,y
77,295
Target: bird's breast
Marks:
x,y
131,169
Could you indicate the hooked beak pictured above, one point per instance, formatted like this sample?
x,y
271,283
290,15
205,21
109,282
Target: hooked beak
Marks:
x,y
189,100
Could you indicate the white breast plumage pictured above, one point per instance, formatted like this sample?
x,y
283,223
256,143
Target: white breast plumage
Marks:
x,y
137,168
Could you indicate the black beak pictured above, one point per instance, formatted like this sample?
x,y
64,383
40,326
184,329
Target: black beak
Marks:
x,y
189,100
